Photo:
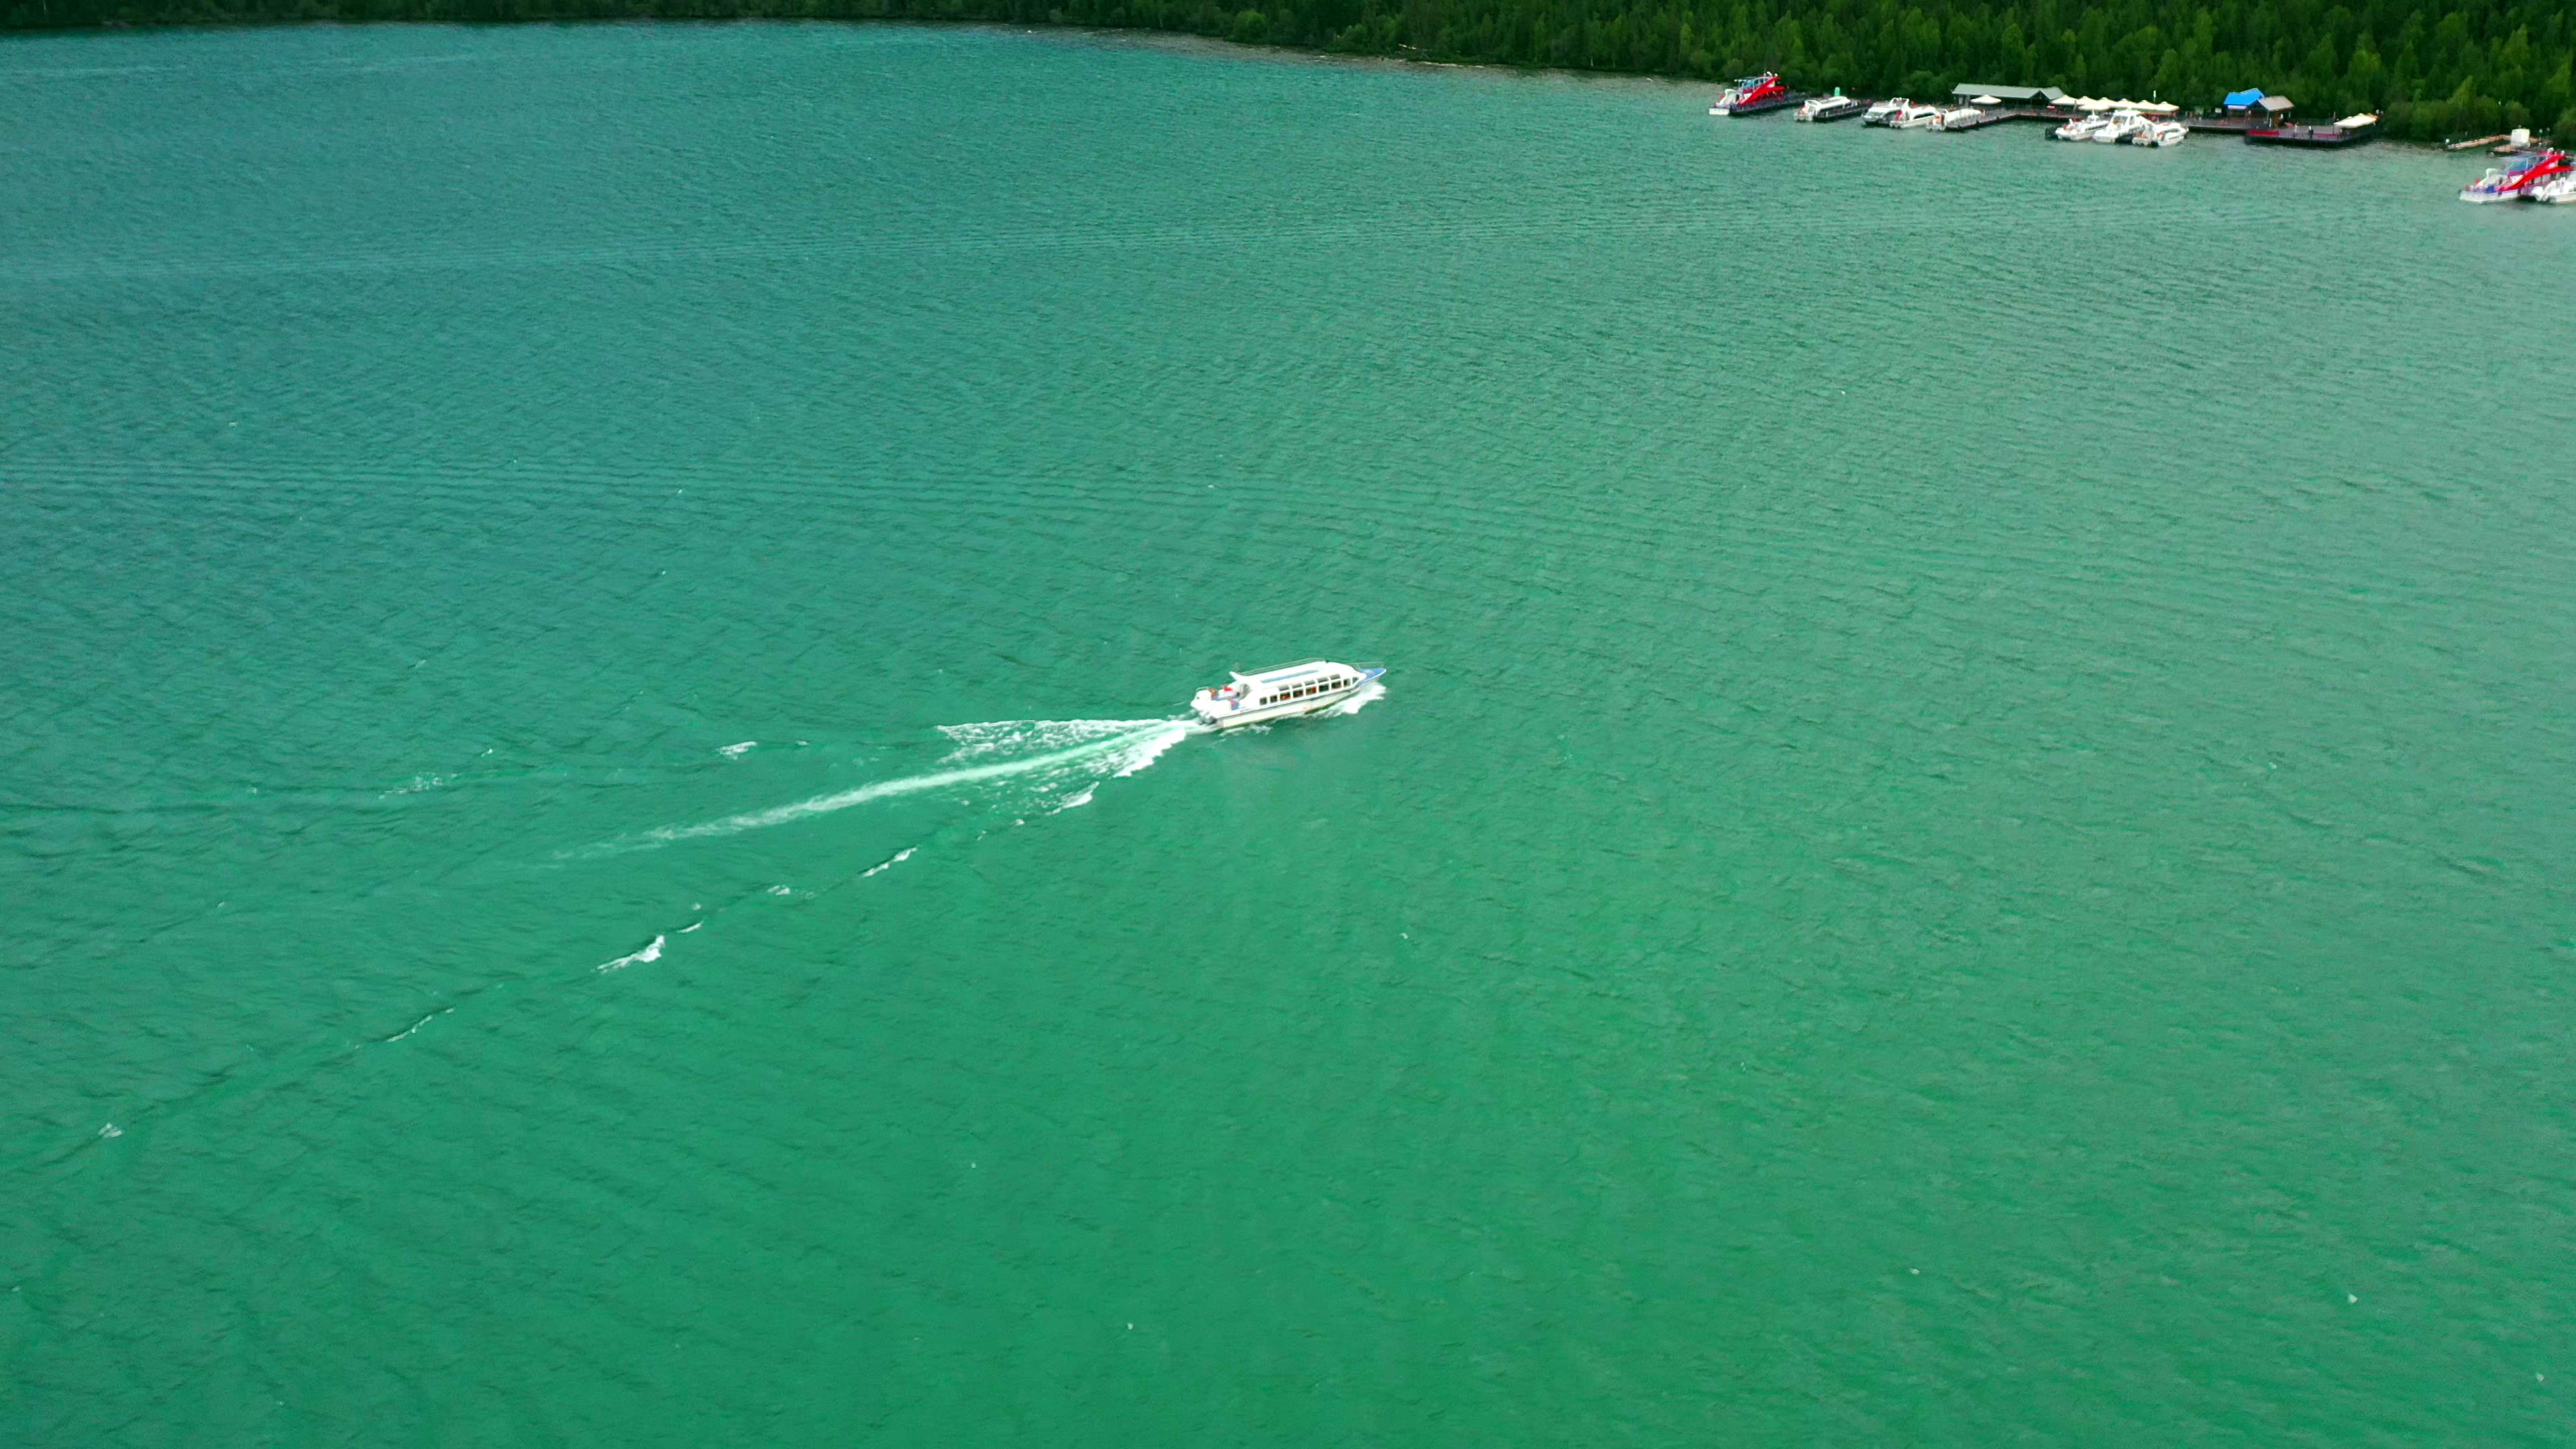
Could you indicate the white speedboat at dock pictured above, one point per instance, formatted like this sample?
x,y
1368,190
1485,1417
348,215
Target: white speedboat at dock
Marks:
x,y
1309,687
2124,124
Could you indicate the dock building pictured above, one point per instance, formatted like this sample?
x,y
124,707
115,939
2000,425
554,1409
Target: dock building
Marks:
x,y
2010,95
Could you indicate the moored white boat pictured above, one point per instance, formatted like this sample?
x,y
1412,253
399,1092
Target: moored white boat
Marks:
x,y
1308,687
2497,185
2556,191
1912,117
2082,128
1827,108
1957,118
2156,132
1883,113
2124,124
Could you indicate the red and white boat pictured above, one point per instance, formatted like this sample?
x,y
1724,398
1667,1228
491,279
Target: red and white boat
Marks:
x,y
2520,180
1754,94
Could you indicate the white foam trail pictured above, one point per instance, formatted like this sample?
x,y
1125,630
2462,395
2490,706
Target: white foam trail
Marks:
x,y
1123,746
1367,694
730,751
424,1021
650,953
890,862
1151,750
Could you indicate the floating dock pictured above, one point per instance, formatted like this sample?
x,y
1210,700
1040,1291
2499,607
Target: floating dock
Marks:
x,y
1986,117
2259,130
1776,103
2310,135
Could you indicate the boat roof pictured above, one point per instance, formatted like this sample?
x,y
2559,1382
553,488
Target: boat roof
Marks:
x,y
1972,90
1282,673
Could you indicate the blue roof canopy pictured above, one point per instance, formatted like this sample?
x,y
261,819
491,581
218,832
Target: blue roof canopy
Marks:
x,y
2243,98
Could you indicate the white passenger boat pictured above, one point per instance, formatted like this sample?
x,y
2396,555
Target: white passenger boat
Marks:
x,y
1912,117
2556,191
1957,118
1310,687
2158,132
1827,108
2082,128
2124,124
1883,113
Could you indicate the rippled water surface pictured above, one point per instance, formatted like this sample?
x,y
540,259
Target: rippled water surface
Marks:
x,y
1965,842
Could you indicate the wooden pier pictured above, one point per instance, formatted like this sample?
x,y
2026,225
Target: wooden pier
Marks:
x,y
1995,116
2270,131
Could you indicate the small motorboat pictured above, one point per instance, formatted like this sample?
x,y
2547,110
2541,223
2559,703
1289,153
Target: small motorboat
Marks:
x,y
2160,132
1912,117
1958,118
1828,108
2556,191
2082,128
1308,687
2517,180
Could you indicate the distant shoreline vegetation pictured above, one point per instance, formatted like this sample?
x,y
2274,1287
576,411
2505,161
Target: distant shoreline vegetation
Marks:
x,y
2448,68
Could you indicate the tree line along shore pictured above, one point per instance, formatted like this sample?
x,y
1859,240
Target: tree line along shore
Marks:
x,y
2444,68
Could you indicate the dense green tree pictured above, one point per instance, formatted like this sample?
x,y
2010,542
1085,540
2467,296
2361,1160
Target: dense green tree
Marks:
x,y
2444,67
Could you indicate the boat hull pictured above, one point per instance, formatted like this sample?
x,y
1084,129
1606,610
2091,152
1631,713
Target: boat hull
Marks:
x,y
1239,718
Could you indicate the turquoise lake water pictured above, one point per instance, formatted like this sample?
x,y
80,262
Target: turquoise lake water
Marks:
x,y
1963,844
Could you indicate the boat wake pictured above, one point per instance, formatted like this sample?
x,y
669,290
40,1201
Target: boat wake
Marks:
x,y
1361,698
1051,763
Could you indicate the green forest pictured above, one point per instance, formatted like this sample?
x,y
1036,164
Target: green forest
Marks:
x,y
2439,69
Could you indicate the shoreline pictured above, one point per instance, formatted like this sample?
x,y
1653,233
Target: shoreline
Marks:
x,y
1141,34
